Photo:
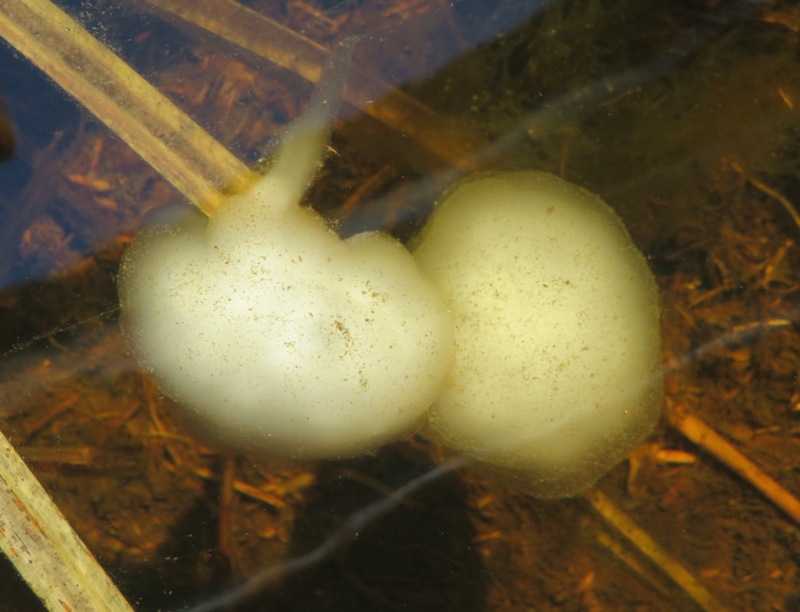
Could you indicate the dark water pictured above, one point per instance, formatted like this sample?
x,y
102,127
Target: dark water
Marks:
x,y
683,116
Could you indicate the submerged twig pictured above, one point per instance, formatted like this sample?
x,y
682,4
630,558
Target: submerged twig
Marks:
x,y
244,488
265,38
341,537
767,190
165,137
705,437
652,550
44,548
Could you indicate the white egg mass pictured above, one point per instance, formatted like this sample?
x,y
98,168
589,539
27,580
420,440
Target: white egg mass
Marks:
x,y
273,335
556,373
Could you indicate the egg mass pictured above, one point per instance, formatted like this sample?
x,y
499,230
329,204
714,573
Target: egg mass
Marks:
x,y
556,373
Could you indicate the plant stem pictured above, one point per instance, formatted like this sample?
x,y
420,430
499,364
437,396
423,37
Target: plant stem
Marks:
x,y
165,137
44,548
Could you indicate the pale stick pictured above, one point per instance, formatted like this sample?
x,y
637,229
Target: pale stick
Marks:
x,y
44,548
652,550
445,138
166,138
709,440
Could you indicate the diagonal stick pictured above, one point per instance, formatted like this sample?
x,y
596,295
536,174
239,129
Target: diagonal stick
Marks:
x,y
44,548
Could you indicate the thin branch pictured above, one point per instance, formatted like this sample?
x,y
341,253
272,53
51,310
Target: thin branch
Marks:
x,y
767,190
343,535
44,548
652,550
709,440
166,138
267,39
